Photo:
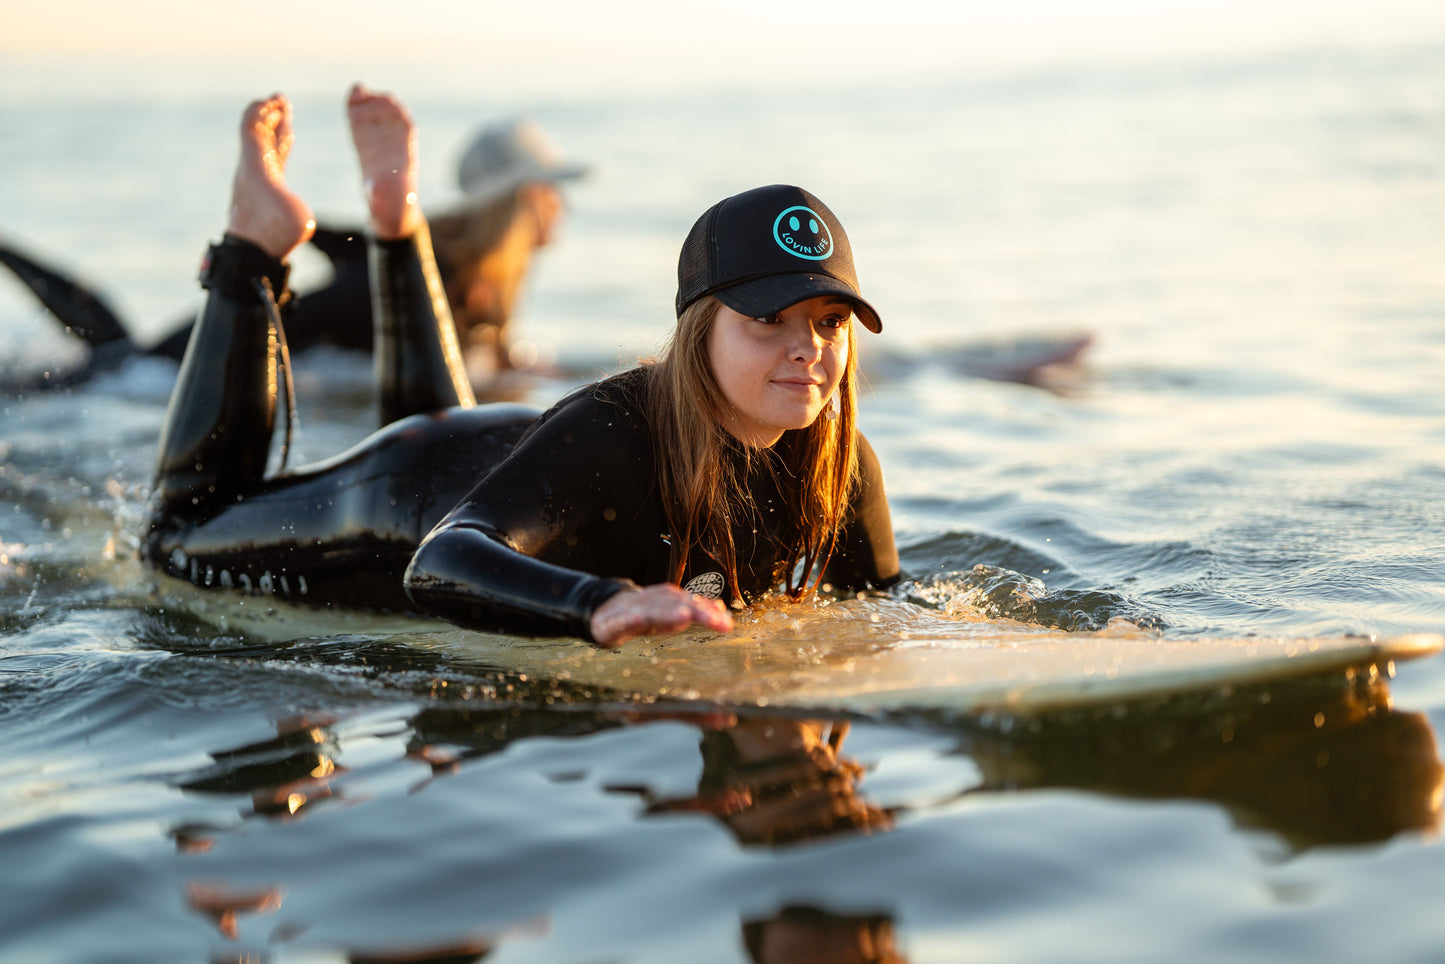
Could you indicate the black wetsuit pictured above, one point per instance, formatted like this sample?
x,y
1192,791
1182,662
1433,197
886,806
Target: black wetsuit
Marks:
x,y
548,517
337,314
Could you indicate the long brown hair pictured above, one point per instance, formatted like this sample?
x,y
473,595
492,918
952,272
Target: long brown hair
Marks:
x,y
703,490
463,236
467,232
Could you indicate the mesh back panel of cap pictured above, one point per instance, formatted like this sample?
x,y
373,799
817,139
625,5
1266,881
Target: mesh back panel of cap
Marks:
x,y
693,264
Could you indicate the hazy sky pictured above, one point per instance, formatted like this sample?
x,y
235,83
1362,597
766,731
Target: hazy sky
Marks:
x,y
858,31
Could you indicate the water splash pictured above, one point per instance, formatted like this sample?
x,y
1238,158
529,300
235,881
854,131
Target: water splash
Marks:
x,y
993,592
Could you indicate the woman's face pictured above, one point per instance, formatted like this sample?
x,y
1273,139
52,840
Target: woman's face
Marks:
x,y
544,205
777,373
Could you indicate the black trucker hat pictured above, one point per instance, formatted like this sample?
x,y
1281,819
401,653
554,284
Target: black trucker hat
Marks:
x,y
760,251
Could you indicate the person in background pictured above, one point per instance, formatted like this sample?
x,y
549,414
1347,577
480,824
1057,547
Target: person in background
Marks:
x,y
512,205
484,246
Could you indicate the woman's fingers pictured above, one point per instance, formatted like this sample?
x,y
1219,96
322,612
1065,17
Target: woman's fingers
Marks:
x,y
659,609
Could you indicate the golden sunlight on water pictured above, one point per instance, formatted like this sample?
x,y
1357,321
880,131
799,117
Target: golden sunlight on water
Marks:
x,y
1114,703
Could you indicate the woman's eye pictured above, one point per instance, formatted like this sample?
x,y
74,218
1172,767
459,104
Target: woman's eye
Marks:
x,y
770,319
834,321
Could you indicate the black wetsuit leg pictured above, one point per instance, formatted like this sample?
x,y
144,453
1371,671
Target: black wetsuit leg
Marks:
x,y
337,314
342,531
418,359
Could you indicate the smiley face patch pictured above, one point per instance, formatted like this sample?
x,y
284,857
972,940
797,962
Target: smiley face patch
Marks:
x,y
803,233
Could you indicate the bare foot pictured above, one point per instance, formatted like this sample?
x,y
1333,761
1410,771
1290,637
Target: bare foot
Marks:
x,y
386,146
264,210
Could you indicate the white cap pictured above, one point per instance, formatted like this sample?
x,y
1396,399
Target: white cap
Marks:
x,y
506,155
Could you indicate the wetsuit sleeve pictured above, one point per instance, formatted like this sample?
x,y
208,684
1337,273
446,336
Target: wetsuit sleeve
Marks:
x,y
475,577
490,564
418,360
866,556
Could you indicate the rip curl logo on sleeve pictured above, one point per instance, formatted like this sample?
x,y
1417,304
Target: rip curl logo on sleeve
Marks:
x,y
803,233
708,584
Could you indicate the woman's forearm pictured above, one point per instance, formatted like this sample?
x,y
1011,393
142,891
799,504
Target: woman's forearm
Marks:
x,y
472,577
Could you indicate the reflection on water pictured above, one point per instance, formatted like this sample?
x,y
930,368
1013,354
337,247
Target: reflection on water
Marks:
x,y
807,935
1323,761
282,775
769,780
1309,762
225,906
774,781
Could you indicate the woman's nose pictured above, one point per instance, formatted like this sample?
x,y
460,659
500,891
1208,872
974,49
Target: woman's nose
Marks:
x,y
807,344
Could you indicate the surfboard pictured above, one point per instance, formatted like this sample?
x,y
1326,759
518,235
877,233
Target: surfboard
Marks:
x,y
885,655
864,655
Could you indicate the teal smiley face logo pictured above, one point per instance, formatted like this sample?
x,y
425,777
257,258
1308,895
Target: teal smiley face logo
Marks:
x,y
803,233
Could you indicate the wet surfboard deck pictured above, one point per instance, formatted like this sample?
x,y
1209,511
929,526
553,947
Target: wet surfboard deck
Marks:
x,y
867,665
1048,673
858,656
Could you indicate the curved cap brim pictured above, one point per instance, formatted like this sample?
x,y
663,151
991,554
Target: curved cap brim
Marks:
x,y
769,295
493,186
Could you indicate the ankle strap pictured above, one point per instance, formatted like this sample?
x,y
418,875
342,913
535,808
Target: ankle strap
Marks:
x,y
232,268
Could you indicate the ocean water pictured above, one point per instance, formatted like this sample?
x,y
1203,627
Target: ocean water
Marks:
x,y
1253,445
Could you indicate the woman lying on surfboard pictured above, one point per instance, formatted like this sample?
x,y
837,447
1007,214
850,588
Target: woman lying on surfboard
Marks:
x,y
648,502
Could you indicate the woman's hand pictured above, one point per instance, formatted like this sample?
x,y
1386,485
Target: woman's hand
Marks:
x,y
663,608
